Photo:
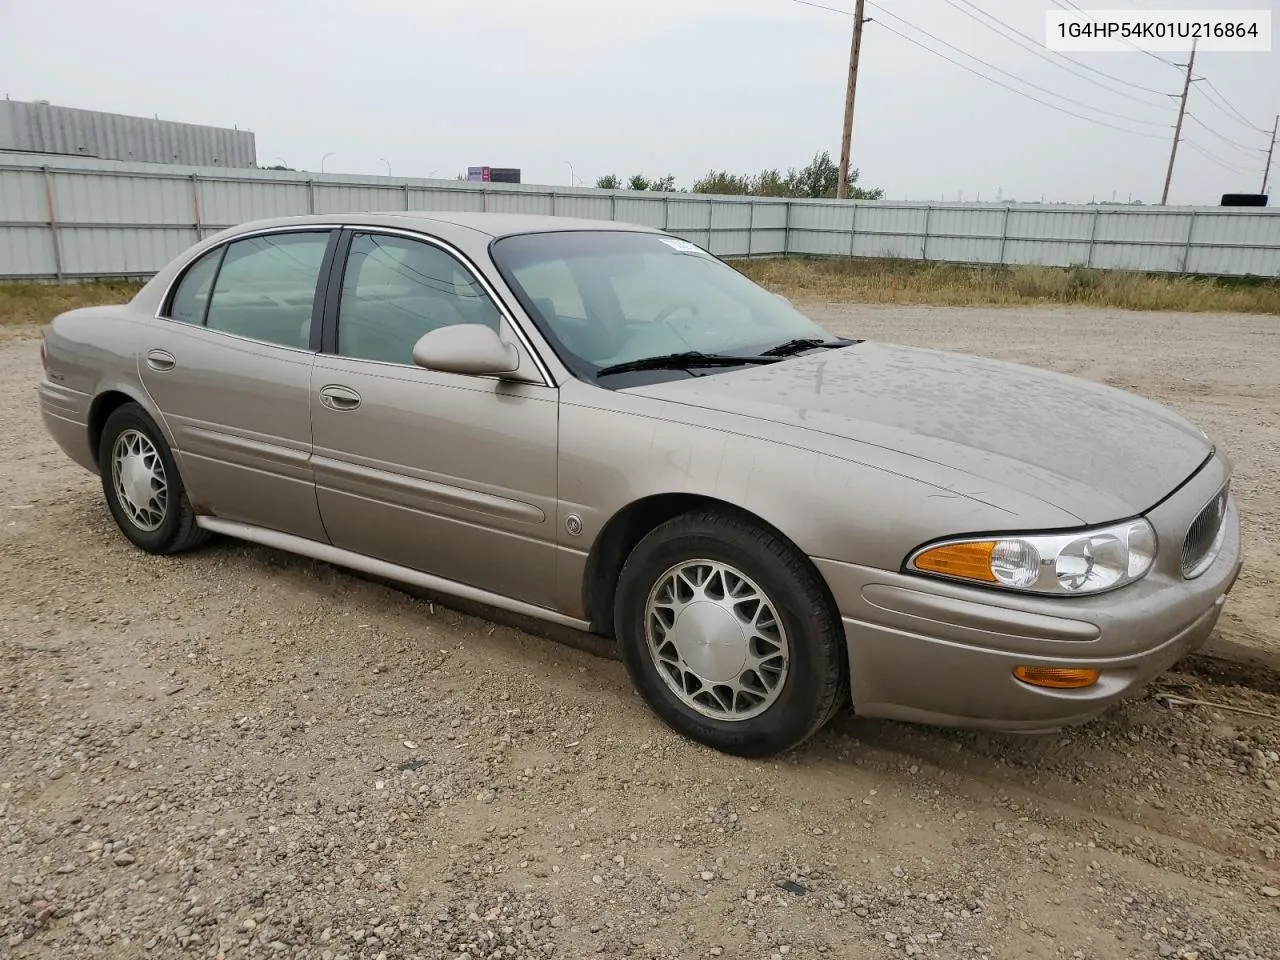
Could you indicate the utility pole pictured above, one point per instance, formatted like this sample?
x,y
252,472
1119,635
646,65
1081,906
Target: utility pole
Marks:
x,y
1266,171
842,184
1177,131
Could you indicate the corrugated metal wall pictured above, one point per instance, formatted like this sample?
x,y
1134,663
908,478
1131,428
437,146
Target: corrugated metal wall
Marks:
x,y
62,217
45,128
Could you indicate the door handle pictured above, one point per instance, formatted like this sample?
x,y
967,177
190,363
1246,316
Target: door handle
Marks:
x,y
161,360
339,398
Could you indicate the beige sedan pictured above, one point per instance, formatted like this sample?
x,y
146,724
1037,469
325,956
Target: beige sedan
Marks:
x,y
605,427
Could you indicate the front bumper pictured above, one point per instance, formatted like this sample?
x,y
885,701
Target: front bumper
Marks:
x,y
938,652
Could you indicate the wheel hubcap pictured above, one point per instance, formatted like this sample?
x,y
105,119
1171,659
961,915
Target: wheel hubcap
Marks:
x,y
137,473
716,640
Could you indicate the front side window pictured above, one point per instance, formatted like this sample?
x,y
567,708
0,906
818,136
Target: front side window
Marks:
x,y
266,289
604,298
395,290
192,295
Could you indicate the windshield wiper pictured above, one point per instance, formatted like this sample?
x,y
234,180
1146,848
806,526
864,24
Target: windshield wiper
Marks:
x,y
791,347
681,361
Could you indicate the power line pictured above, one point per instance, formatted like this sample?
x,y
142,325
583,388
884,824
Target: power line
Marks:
x,y
823,6
1037,48
1223,104
1021,93
1052,106
1218,99
1069,6
1225,139
992,66
1218,160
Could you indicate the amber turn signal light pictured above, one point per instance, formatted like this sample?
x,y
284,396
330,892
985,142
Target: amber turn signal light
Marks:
x,y
1060,678
971,561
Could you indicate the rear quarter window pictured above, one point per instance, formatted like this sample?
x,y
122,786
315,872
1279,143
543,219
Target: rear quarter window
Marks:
x,y
190,298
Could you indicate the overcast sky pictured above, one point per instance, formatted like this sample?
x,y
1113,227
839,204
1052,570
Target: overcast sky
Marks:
x,y
659,86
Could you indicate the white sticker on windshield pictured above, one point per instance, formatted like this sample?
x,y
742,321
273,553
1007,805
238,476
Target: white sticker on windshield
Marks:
x,y
683,246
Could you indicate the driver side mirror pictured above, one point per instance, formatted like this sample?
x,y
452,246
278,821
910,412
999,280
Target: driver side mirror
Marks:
x,y
467,348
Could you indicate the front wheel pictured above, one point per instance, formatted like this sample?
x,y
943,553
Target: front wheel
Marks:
x,y
729,635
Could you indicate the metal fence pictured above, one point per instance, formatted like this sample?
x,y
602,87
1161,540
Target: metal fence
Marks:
x,y
66,218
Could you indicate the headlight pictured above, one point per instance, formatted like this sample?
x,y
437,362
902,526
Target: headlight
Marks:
x,y
1065,564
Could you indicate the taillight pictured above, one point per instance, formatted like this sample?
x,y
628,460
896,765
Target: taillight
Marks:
x,y
44,357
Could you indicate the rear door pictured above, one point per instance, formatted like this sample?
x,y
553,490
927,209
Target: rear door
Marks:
x,y
449,474
229,367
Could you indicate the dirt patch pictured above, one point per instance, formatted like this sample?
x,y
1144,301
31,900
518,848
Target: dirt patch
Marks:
x,y
240,753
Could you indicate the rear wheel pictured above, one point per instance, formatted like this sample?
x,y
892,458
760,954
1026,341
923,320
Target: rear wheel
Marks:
x,y
141,483
729,635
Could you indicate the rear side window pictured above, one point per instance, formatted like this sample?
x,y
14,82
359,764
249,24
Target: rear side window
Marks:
x,y
192,296
266,288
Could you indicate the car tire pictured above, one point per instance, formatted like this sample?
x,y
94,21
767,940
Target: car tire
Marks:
x,y
141,483
683,658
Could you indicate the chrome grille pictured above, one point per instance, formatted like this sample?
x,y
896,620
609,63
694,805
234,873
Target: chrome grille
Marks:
x,y
1203,539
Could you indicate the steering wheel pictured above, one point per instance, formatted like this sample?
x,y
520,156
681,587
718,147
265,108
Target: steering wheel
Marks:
x,y
666,312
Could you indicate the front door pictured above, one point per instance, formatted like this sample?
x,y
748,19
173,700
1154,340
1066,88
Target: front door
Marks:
x,y
448,474
230,371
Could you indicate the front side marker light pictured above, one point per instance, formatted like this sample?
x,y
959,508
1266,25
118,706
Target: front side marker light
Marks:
x,y
1058,678
968,561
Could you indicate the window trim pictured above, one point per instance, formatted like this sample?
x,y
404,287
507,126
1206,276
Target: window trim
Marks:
x,y
322,279
166,304
337,276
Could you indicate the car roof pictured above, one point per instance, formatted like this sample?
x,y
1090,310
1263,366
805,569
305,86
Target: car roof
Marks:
x,y
469,231
506,224
490,224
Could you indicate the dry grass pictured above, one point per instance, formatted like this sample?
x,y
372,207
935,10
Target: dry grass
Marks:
x,y
35,304
904,281
839,281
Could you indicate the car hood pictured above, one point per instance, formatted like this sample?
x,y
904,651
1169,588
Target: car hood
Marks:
x,y
1095,452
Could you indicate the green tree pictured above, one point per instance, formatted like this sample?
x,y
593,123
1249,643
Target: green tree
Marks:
x,y
639,181
817,179
820,177
861,193
723,182
770,183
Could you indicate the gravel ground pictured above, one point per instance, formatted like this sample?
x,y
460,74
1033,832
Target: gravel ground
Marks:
x,y
239,753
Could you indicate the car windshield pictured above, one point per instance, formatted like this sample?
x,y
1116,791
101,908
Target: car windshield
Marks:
x,y
605,298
